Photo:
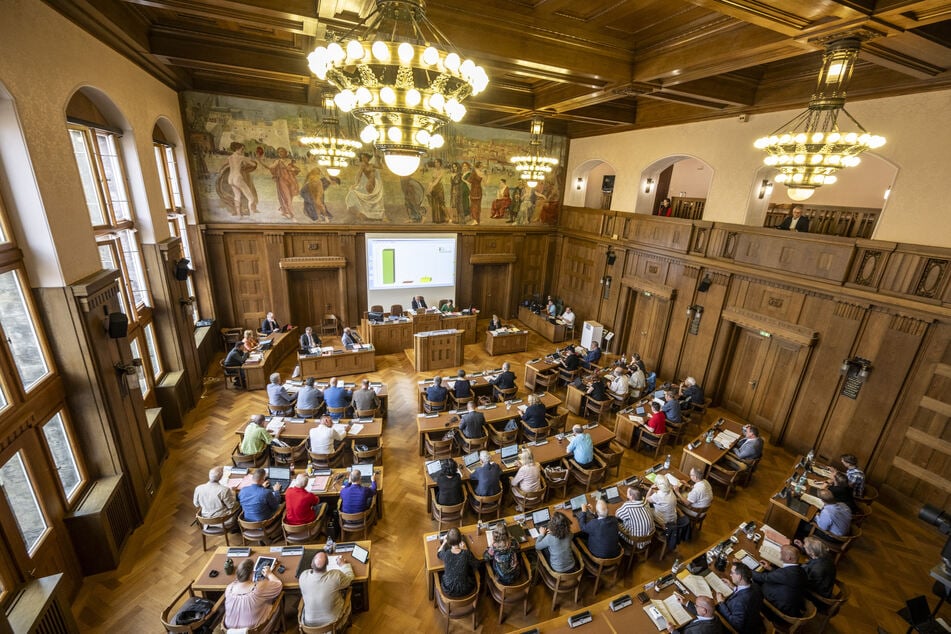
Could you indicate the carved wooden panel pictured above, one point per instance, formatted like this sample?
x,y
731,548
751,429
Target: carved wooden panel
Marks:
x,y
653,269
919,273
494,243
533,267
868,266
671,234
312,244
314,293
248,273
579,276
775,301
582,220
819,258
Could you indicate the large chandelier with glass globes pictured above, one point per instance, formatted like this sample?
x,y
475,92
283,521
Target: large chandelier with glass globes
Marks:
x,y
400,76
534,167
331,148
810,149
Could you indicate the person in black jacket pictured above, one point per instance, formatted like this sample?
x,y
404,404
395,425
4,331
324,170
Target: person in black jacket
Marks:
x,y
449,484
741,609
785,587
471,423
534,415
820,569
795,221
488,477
603,531
461,388
598,389
504,381
706,621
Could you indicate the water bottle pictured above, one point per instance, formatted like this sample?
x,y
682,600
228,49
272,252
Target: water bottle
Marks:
x,y
710,436
667,462
810,457
676,567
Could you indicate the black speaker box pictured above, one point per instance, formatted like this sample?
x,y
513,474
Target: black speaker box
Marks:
x,y
705,285
118,325
612,257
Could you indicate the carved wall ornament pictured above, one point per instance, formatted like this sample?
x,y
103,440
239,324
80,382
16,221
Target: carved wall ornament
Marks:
x,y
729,246
776,302
931,278
868,267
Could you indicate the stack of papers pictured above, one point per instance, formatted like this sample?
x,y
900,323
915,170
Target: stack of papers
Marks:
x,y
698,585
813,500
276,424
356,428
717,584
726,438
318,483
674,482
770,551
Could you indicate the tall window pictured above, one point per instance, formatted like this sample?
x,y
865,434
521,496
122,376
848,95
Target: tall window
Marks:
x,y
21,498
18,323
99,158
172,195
59,441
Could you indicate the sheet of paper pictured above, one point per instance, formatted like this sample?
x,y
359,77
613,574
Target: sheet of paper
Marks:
x,y
698,585
656,616
318,483
674,482
677,612
340,428
717,584
774,535
813,500
276,424
355,429
770,551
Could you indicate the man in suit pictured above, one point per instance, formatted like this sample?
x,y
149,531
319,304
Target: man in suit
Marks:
x,y
748,449
335,396
270,325
504,381
820,569
741,609
603,531
365,398
461,388
785,587
594,354
418,302
277,394
349,338
436,392
309,339
308,397
235,359
471,423
796,221
706,621
487,477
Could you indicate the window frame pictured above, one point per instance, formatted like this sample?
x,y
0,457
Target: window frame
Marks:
x,y
19,392
30,551
71,498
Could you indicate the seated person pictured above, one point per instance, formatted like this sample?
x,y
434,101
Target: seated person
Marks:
x,y
335,396
706,621
505,380
820,569
258,502
603,531
570,360
593,356
568,317
487,478
534,415
552,309
636,360
855,475
619,383
662,497
309,397
447,307
598,390
365,398
700,496
418,302
301,505
691,394
350,338
270,325
214,499
248,602
741,609
795,221
503,554
309,340
637,518
235,359
323,436
528,478
321,590
554,543
495,323
448,484
784,587
835,518
461,388
657,423
256,436
842,491
436,392
277,394
636,380
746,450
671,407
458,578
250,341
354,497
581,447
472,423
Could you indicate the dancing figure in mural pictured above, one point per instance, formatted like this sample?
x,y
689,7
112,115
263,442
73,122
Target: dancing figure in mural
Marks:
x,y
237,174
436,191
414,196
366,195
312,192
284,172
475,191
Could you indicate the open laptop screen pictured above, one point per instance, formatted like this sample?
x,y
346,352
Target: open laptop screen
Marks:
x,y
509,451
540,516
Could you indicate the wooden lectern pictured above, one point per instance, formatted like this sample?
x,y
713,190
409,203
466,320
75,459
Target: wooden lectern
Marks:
x,y
437,349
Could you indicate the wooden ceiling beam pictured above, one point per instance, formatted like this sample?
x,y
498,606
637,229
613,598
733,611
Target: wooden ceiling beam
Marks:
x,y
724,89
296,16
232,52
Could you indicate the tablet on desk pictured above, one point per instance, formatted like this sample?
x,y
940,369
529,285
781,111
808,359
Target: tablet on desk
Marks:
x,y
360,553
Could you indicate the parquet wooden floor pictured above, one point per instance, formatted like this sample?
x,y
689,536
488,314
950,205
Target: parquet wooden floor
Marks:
x,y
889,564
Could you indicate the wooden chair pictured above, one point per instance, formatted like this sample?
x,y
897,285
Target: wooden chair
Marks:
x,y
438,447
728,478
357,522
595,407
434,406
510,594
526,501
287,456
484,504
618,401
328,325
188,597
310,412
328,460
396,310
231,336
501,438
696,516
216,526
232,375
264,532
637,552
469,445
863,512
676,433
611,455
547,380
366,413
599,566
252,461
561,582
838,546
557,484
376,308
556,422
828,607
337,412
588,478
295,534
459,607
504,394
373,454
449,514
650,440
566,376
460,402
275,618
869,495
337,627
280,410
789,624
532,434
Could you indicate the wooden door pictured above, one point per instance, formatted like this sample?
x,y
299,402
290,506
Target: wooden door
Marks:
x,y
648,316
313,294
249,277
490,289
743,375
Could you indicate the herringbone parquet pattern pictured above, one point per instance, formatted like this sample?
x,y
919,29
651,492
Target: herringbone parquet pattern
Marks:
x,y
889,564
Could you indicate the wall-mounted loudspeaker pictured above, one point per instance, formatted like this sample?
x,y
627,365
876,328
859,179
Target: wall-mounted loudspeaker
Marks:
x,y
118,325
612,257
182,270
705,284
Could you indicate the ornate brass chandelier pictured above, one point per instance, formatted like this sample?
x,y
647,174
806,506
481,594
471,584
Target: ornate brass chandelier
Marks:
x,y
534,167
332,149
810,149
400,76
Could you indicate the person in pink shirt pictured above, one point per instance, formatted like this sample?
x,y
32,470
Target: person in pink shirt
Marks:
x,y
247,602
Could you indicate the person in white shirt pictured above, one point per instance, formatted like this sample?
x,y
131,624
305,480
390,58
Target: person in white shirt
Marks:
x,y
568,317
214,499
529,475
700,496
664,502
323,436
636,380
320,589
619,383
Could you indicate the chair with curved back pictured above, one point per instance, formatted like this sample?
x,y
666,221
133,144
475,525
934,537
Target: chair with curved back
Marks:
x,y
504,394
367,413
556,479
216,526
484,504
308,533
599,566
434,406
863,512
308,412
338,626
869,495
328,325
449,514
369,454
566,377
438,447
357,522
280,410
547,380
562,582
458,607
651,441
510,594
232,375
287,456
676,432
274,622
469,445
328,460
696,516
460,402
636,552
789,624
611,455
337,413
376,308
263,532
595,408
501,438
556,422
588,477
526,501
396,310
828,607
252,461
231,336
533,434
837,545
186,599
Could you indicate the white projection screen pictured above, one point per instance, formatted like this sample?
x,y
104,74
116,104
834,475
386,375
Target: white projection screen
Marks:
x,y
402,265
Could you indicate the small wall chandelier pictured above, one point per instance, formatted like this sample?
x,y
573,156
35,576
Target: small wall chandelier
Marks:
x,y
810,149
400,76
332,149
533,168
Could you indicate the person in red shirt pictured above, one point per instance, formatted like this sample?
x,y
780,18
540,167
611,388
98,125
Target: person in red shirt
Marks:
x,y
658,421
301,503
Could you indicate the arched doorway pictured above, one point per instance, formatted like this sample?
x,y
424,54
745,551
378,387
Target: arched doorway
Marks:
x,y
591,185
682,180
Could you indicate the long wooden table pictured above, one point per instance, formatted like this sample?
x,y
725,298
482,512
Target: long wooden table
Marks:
x,y
554,332
479,383
437,349
705,454
299,428
340,363
388,337
506,342
495,413
785,514
329,492
258,373
206,584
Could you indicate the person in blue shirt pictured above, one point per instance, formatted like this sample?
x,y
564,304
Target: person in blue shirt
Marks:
x,y
277,394
436,392
671,407
258,503
835,517
354,497
335,396
309,396
594,354
581,447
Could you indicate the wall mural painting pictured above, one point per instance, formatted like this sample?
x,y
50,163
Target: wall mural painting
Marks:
x,y
249,167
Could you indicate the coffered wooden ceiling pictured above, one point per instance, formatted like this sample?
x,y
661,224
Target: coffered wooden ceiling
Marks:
x,y
590,66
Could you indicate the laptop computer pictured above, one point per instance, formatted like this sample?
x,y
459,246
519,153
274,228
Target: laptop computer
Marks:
x,y
541,517
611,495
433,467
279,475
640,411
578,502
471,459
509,455
660,395
366,471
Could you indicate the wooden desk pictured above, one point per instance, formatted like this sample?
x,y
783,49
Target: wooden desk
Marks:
x,y
784,515
534,368
493,414
299,428
340,363
707,454
554,332
205,583
258,373
466,323
437,349
574,400
426,321
506,342
388,337
479,385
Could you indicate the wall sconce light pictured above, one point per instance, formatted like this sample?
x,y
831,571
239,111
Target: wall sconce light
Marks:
x,y
683,194
186,301
765,189
649,186
579,183
888,192
128,368
694,314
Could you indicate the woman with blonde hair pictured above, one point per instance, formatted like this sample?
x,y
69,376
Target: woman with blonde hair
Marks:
x,y
250,341
528,478
534,415
503,553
